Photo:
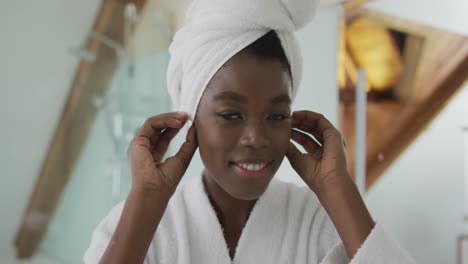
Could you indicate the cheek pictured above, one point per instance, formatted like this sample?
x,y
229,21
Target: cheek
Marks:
x,y
215,141
281,137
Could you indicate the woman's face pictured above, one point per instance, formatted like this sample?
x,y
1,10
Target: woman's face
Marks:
x,y
243,124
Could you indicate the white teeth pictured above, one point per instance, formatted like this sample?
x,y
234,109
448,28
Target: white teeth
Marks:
x,y
252,166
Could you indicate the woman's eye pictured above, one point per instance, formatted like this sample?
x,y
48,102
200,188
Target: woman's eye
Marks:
x,y
230,116
278,117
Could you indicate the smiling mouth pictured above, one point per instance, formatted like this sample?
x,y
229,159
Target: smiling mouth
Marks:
x,y
252,166
253,170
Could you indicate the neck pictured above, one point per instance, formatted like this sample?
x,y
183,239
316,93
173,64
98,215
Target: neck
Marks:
x,y
230,210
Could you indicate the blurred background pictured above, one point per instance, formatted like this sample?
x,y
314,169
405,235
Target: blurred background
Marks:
x,y
77,79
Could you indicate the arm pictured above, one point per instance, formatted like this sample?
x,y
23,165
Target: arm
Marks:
x,y
324,170
140,217
344,205
153,184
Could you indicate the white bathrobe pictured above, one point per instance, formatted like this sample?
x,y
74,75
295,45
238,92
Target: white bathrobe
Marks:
x,y
286,225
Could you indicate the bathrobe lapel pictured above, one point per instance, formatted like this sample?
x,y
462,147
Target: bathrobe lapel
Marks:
x,y
260,240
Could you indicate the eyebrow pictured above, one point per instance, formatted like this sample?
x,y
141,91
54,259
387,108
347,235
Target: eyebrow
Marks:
x,y
228,95
284,98
233,96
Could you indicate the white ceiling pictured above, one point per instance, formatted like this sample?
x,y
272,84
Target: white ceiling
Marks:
x,y
36,71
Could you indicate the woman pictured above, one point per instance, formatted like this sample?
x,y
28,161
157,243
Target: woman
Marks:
x,y
239,100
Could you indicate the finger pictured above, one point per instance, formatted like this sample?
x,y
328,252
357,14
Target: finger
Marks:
x,y
154,125
172,123
313,123
332,141
161,146
295,157
180,161
312,147
314,132
188,148
149,133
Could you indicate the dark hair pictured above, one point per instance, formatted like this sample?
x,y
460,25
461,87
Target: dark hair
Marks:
x,y
268,47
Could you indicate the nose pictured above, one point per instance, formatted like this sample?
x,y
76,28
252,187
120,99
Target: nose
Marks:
x,y
254,135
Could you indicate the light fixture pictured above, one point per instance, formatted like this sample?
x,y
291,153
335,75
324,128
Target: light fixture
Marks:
x,y
373,48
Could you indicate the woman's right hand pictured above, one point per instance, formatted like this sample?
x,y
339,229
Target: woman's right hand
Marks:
x,y
147,149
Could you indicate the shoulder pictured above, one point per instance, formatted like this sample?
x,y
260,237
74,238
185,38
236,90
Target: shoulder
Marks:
x,y
106,227
102,234
303,206
299,204
296,196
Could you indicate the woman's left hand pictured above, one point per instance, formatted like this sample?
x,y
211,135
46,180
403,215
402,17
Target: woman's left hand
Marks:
x,y
322,165
324,169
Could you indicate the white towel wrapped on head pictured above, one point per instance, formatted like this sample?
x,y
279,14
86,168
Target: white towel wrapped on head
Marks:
x,y
216,30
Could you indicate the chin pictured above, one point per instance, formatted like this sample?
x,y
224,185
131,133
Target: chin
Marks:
x,y
248,197
248,193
